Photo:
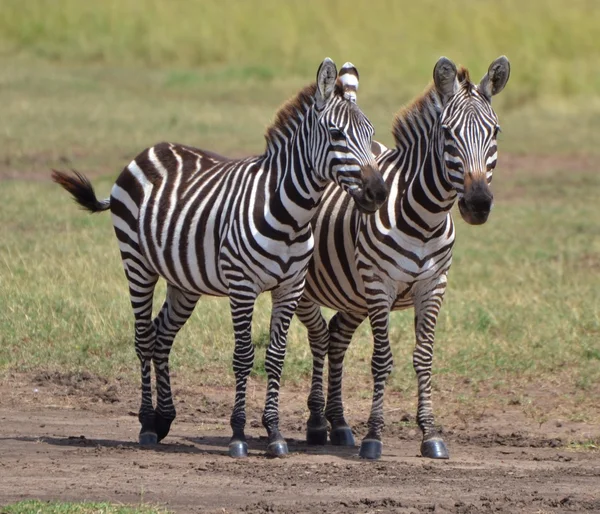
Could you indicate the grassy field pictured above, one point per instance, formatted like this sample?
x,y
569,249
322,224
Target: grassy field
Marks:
x,y
89,87
133,73
40,507
552,42
521,302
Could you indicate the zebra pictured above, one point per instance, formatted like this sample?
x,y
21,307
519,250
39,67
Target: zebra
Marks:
x,y
446,150
215,226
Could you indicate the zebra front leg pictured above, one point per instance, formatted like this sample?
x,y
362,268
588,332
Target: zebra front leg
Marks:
x,y
285,300
176,310
341,329
310,316
381,366
242,307
427,308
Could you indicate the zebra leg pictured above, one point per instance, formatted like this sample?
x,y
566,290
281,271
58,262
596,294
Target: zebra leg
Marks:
x,y
381,366
285,300
176,310
341,329
141,292
427,308
242,307
310,316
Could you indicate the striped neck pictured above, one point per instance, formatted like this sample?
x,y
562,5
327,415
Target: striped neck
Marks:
x,y
425,196
294,189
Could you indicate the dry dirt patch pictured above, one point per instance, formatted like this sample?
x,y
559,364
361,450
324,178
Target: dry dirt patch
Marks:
x,y
72,437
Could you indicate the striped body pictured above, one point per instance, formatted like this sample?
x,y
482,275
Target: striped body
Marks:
x,y
351,248
201,217
215,226
367,266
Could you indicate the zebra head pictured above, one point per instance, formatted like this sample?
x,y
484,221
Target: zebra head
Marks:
x,y
468,129
341,145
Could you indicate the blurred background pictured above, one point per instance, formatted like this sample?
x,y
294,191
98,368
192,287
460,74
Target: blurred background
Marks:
x,y
88,85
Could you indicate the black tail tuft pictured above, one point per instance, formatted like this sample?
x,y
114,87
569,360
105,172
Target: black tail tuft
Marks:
x,y
81,189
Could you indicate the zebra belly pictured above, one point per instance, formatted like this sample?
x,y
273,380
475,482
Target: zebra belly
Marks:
x,y
268,264
341,293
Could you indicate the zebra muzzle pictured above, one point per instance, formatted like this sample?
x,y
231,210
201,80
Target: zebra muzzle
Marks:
x,y
373,193
476,203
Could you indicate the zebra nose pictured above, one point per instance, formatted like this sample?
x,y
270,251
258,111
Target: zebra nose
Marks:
x,y
479,198
375,190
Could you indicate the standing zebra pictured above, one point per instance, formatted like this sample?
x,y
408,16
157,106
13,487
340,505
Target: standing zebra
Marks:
x,y
400,257
220,227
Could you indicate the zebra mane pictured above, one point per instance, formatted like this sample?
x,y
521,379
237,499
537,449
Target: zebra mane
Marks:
x,y
291,113
423,110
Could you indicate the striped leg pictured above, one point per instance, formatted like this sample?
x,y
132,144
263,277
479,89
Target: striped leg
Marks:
x,y
310,316
381,366
176,310
285,300
341,328
427,308
141,291
242,308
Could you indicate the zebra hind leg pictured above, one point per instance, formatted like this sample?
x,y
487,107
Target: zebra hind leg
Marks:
x,y
381,366
341,329
141,291
310,316
176,310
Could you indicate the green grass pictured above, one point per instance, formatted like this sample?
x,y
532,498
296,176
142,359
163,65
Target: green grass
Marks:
x,y
41,507
89,85
590,445
97,119
523,300
552,42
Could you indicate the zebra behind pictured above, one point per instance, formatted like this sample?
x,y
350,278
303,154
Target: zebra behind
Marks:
x,y
214,226
446,151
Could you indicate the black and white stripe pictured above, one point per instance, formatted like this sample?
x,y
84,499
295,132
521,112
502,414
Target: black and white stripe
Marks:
x,y
213,226
399,258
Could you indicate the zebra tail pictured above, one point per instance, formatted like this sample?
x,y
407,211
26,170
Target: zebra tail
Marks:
x,y
81,189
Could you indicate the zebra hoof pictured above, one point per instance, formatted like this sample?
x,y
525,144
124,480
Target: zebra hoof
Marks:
x,y
238,449
342,436
148,439
316,436
163,425
370,449
434,449
277,449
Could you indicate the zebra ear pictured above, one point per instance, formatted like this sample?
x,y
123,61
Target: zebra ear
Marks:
x,y
348,78
326,76
444,76
496,78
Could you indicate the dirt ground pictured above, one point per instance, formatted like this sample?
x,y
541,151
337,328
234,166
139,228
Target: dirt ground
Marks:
x,y
73,437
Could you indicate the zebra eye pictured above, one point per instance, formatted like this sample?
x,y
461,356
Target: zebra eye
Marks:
x,y
447,131
336,133
497,130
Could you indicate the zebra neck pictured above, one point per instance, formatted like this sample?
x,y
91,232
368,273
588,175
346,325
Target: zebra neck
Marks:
x,y
424,196
294,191
428,197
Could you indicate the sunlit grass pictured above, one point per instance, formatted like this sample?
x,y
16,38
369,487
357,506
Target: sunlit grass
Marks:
x,y
89,85
523,297
552,43
41,507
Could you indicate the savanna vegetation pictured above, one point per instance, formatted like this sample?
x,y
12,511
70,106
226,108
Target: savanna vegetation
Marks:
x,y
89,84
42,507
